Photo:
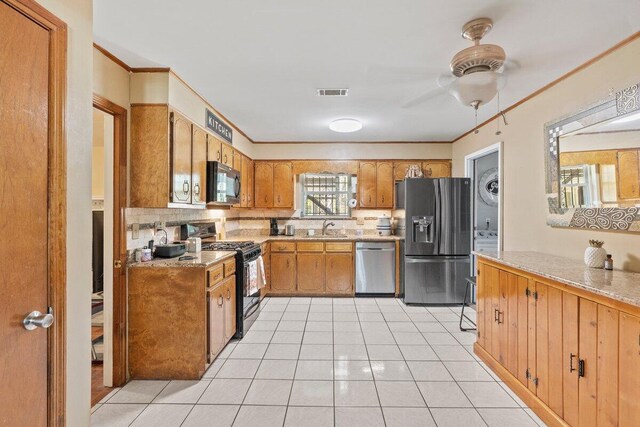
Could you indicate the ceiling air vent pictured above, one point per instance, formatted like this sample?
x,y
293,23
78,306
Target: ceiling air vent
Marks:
x,y
333,92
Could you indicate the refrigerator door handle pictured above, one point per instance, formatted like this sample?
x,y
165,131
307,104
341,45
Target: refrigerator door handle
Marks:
x,y
413,260
438,219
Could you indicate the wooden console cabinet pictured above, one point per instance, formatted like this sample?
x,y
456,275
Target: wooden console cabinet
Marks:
x,y
571,355
180,318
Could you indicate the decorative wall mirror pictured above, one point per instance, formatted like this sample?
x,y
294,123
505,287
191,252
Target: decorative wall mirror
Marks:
x,y
592,161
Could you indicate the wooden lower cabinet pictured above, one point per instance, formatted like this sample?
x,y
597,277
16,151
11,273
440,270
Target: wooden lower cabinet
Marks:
x,y
628,369
215,318
229,308
577,359
283,272
339,273
310,268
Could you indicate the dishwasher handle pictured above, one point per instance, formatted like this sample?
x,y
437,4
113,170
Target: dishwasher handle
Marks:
x,y
377,249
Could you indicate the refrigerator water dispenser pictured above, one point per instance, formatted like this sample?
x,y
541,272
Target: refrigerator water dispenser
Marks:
x,y
422,230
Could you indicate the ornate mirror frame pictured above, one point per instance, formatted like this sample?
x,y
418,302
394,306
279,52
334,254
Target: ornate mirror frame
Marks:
x,y
612,219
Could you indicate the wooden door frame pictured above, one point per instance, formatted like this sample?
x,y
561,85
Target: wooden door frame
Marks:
x,y
57,200
119,356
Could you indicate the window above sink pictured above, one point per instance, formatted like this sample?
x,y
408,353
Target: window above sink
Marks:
x,y
326,195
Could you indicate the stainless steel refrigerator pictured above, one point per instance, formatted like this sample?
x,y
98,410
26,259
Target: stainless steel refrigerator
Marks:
x,y
436,217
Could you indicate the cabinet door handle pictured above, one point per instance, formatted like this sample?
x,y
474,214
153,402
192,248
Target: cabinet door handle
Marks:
x,y
185,186
218,155
581,367
495,314
229,294
225,158
383,198
220,301
196,189
287,263
500,313
571,356
369,198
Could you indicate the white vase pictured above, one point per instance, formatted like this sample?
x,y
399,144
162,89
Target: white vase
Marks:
x,y
595,257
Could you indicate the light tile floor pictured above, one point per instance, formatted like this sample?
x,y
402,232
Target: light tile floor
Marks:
x,y
311,362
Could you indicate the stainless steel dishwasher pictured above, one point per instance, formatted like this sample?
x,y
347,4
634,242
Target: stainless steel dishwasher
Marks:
x,y
375,268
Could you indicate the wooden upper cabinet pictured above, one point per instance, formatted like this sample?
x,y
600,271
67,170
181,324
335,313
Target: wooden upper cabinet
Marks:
x,y
250,182
628,174
339,273
283,272
367,184
244,182
150,157
227,155
237,160
384,185
263,184
214,153
282,185
436,168
628,378
310,267
400,169
199,166
181,158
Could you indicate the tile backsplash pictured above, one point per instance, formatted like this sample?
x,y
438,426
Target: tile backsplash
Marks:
x,y
236,222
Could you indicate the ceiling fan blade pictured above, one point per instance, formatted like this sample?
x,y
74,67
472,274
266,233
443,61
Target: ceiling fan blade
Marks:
x,y
425,97
398,74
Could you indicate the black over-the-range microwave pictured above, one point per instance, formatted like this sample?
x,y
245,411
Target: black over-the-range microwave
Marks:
x,y
223,184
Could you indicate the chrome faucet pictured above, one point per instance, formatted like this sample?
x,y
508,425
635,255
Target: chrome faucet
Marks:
x,y
325,226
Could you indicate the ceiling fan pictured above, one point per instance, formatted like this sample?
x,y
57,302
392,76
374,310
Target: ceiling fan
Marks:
x,y
477,72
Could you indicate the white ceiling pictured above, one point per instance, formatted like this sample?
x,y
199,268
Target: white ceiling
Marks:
x,y
259,61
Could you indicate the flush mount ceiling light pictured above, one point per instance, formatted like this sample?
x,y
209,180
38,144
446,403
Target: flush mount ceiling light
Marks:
x,y
345,125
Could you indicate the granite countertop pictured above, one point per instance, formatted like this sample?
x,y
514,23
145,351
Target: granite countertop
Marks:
x,y
619,285
303,238
203,259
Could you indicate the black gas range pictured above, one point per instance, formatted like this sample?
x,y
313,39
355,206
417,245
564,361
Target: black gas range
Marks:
x,y
247,254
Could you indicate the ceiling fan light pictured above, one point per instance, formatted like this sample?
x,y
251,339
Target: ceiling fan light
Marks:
x,y
476,88
345,125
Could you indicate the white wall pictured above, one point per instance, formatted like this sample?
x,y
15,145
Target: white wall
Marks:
x,y
78,15
343,150
523,186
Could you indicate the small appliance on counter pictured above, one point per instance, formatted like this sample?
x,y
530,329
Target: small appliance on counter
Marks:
x,y
273,227
383,226
290,230
169,250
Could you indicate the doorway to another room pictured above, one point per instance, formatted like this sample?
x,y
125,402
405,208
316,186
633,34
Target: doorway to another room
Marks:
x,y
108,189
484,167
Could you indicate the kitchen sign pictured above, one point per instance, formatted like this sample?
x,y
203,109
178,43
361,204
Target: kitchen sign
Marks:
x,y
217,126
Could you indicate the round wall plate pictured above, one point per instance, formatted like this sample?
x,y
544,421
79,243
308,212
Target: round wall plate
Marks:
x,y
489,187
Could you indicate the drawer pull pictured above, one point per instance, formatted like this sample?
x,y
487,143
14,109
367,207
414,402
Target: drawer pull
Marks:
x,y
571,356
